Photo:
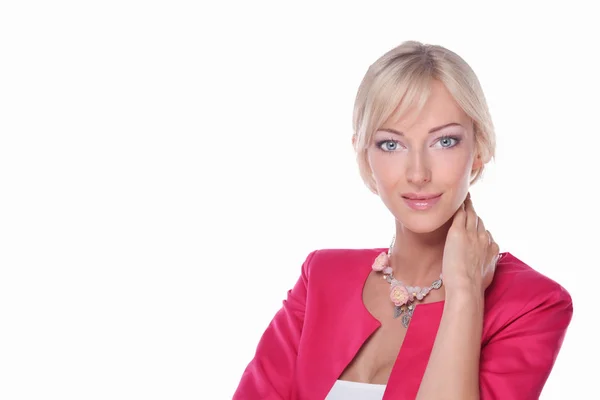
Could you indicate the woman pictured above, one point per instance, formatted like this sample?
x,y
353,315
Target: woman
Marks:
x,y
440,313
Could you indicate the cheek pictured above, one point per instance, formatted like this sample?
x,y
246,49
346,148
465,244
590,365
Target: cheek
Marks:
x,y
386,168
454,173
453,166
456,163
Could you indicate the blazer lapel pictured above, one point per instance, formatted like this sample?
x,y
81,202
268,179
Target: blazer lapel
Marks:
x,y
337,323
413,357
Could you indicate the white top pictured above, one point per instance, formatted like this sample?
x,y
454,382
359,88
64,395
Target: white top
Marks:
x,y
346,390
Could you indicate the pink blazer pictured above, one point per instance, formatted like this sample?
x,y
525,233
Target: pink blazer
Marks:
x,y
323,323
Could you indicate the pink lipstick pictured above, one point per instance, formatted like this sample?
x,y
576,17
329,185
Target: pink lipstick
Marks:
x,y
422,201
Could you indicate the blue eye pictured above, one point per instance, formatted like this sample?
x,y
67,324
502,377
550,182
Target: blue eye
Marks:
x,y
447,142
388,145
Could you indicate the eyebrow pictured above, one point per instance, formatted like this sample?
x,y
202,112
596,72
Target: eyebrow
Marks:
x,y
432,130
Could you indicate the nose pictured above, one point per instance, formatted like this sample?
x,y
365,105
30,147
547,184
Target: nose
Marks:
x,y
417,169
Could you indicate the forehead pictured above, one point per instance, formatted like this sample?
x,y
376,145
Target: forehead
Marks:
x,y
440,108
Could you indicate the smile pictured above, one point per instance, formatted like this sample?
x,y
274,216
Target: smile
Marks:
x,y
421,202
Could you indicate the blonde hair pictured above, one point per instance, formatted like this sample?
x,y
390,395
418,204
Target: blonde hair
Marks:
x,y
401,79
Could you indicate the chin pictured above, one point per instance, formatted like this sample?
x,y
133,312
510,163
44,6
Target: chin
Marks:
x,y
423,222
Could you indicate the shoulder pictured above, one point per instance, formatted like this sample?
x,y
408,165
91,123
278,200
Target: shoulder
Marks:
x,y
346,263
515,278
335,257
518,290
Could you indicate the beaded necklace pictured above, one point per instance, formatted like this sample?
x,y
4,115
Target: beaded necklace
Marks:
x,y
404,297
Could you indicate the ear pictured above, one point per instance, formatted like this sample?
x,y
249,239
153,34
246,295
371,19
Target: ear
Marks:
x,y
477,163
354,140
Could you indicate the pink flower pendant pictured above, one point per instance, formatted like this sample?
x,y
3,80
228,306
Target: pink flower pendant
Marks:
x,y
399,295
381,262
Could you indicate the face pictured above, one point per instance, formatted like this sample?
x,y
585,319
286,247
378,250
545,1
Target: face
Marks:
x,y
422,163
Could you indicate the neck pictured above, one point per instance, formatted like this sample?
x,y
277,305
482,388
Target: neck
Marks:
x,y
417,257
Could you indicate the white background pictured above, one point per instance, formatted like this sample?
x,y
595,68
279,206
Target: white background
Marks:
x,y
165,168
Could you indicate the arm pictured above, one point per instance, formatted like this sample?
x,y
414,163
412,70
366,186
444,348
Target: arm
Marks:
x,y
269,375
516,362
453,368
468,266
513,365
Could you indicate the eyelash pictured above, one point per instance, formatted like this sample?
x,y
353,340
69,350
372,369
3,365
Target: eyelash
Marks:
x,y
455,138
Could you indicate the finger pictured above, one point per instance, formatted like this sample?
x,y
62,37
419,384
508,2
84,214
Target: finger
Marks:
x,y
493,249
460,217
493,256
471,217
496,250
481,227
491,237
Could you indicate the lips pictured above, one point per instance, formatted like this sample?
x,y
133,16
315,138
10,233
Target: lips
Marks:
x,y
421,202
414,196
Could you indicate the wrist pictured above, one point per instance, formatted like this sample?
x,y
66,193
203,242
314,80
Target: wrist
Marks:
x,y
465,286
464,295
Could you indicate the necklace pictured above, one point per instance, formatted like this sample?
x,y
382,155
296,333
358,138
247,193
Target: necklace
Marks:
x,y
404,297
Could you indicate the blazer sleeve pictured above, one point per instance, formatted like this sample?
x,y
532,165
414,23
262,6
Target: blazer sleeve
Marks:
x,y
516,361
269,374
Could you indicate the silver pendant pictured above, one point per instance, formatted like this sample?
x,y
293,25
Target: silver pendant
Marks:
x,y
398,310
406,317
